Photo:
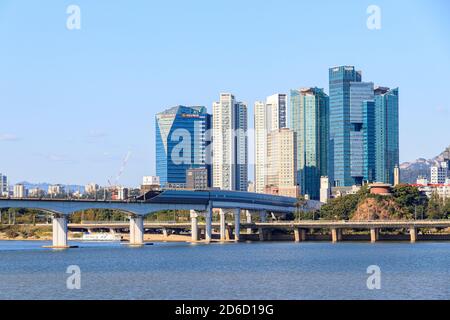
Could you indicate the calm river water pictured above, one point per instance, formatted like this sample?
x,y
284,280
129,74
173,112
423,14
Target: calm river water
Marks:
x,y
226,271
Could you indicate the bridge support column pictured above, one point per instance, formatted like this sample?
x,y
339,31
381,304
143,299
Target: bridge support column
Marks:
x,y
374,233
336,235
194,226
59,236
208,225
248,216
263,216
261,234
237,225
413,234
299,235
222,216
136,231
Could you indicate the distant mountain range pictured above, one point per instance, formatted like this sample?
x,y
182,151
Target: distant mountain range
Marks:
x,y
44,186
410,171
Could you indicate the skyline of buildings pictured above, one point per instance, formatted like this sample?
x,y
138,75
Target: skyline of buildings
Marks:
x,y
349,137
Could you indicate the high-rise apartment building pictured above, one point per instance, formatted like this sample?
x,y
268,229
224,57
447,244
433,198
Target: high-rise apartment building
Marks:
x,y
4,187
276,108
261,131
230,144
19,191
310,122
182,140
269,116
282,163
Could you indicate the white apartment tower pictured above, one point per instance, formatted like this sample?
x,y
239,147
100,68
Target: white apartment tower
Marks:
x,y
19,191
230,144
276,108
269,116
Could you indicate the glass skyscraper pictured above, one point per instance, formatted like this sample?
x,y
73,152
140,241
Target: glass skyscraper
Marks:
x,y
347,150
386,115
310,122
181,144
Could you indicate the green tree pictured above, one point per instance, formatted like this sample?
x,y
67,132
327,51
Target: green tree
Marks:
x,y
410,198
435,209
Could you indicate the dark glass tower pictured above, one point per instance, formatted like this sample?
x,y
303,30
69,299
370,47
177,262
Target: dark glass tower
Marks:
x,y
181,144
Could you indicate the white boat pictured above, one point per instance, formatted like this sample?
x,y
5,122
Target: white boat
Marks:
x,y
101,237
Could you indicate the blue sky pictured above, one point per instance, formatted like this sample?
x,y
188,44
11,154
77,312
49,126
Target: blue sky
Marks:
x,y
75,102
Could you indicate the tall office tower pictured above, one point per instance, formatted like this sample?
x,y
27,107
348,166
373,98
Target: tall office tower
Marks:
x,y
4,187
181,143
276,108
282,163
230,144
269,116
386,134
347,94
310,122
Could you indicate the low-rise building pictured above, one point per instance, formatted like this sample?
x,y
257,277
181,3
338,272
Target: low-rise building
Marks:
x,y
439,172
442,190
197,179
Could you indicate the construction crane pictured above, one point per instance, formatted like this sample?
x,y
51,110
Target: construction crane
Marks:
x,y
114,187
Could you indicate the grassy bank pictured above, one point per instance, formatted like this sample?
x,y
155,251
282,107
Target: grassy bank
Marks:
x,y
25,232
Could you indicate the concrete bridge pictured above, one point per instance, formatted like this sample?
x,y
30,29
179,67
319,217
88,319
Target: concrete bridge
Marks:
x,y
197,202
299,228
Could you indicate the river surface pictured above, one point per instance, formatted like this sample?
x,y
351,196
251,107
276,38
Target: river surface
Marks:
x,y
279,270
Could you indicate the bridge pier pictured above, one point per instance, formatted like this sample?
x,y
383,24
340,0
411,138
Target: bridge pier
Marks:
x,y
208,221
413,234
374,234
59,236
336,235
299,235
263,216
237,224
248,216
261,234
222,216
194,226
136,231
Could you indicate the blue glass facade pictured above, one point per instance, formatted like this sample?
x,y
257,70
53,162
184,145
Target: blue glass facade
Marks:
x,y
386,134
345,126
369,140
181,143
310,122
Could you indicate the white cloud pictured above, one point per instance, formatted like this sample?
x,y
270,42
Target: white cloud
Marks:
x,y
8,137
